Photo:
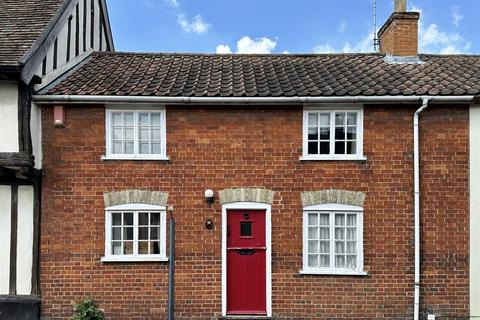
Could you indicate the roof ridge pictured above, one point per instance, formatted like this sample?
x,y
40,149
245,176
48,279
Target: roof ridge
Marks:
x,y
207,54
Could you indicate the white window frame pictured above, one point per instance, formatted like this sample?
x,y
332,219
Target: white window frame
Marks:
x,y
136,155
332,109
135,208
332,209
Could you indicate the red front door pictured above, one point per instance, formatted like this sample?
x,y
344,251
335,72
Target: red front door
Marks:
x,y
246,262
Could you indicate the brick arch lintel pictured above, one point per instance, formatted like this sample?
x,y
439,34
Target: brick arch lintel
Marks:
x,y
259,195
354,198
135,196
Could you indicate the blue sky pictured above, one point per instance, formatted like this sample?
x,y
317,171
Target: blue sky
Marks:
x,y
284,26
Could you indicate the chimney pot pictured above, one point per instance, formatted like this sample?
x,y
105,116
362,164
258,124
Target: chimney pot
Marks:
x,y
400,5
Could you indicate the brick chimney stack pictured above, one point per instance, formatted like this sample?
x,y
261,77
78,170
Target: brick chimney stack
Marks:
x,y
399,35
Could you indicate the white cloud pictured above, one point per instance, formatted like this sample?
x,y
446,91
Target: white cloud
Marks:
x,y
433,40
342,27
456,16
324,48
259,45
223,49
246,44
196,25
286,52
173,3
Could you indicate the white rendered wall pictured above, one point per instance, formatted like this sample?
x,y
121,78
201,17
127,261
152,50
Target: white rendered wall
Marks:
x,y
36,132
5,215
25,240
475,212
8,117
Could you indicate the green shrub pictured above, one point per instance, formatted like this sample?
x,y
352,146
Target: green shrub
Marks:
x,y
86,310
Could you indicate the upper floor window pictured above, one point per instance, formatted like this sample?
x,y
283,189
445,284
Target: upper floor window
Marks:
x,y
135,232
333,134
333,239
136,134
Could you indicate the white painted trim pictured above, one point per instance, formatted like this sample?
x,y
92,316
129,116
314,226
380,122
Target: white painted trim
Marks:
x,y
474,211
135,208
136,155
332,109
332,209
268,243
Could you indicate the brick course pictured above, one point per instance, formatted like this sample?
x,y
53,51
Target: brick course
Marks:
x,y
231,147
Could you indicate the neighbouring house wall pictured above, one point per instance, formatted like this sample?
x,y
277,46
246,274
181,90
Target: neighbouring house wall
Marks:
x,y
36,132
475,211
5,214
228,147
9,117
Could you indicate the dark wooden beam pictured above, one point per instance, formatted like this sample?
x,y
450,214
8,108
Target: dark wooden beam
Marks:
x,y
13,240
16,159
24,114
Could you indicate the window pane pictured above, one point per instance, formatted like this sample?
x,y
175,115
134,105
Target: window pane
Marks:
x,y
351,220
155,247
128,133
339,233
117,133
339,247
313,233
144,134
324,133
324,219
313,260
116,248
143,233
155,218
325,119
351,147
351,262
143,119
144,148
324,233
351,247
339,219
143,218
313,133
313,119
156,148
128,219
117,147
143,247
340,261
155,119
116,218
156,134
117,233
351,233
340,147
129,118
351,133
129,147
324,147
340,118
352,118
312,219
127,233
324,261
340,133
117,118
325,247
313,246
128,247
154,233
313,148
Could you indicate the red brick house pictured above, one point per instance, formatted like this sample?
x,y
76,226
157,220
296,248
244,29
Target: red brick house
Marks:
x,y
344,186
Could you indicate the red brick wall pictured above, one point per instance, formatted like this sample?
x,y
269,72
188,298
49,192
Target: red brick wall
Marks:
x,y
225,147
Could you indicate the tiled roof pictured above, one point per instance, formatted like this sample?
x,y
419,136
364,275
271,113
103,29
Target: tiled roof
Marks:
x,y
209,75
21,23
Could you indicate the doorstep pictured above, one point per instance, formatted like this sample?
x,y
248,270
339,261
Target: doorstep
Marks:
x,y
246,317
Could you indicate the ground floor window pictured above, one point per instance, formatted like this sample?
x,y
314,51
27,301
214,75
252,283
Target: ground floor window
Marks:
x,y
333,239
135,232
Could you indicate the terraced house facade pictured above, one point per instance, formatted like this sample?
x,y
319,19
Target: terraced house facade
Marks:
x,y
302,186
